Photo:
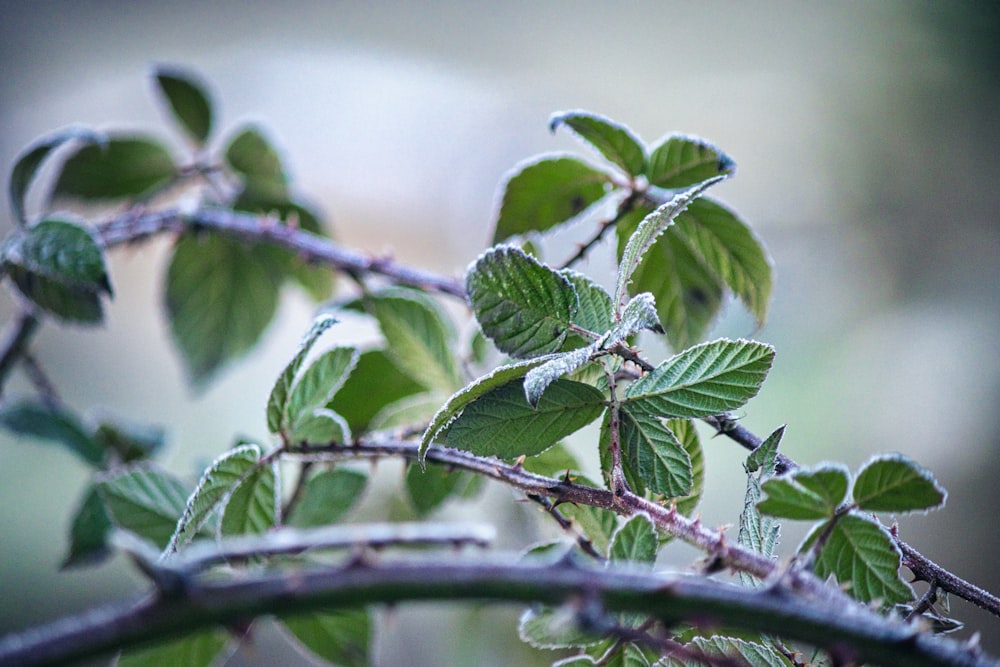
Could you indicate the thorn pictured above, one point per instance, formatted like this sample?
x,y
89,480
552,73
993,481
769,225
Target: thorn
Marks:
x,y
567,478
519,463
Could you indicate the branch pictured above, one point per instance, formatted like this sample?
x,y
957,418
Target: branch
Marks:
x,y
210,602
310,247
15,347
924,569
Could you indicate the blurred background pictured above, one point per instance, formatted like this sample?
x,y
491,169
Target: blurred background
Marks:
x,y
867,139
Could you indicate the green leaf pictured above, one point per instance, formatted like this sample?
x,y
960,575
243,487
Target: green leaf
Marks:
x,y
806,493
688,295
144,500
539,378
216,483
340,637
704,380
523,306
120,168
650,229
187,100
729,249
220,296
408,412
35,419
625,655
614,141
254,506
327,496
680,161
59,266
375,383
277,402
758,532
596,312
654,453
31,159
428,489
596,523
197,650
546,193
686,434
89,531
251,156
319,426
861,553
130,441
553,462
501,423
894,483
738,651
554,628
635,541
418,337
318,384
459,400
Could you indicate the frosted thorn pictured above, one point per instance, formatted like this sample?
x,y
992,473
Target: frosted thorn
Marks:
x,y
519,463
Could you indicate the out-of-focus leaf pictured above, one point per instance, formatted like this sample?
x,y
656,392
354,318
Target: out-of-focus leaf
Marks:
x,y
375,383
88,532
58,265
680,161
254,506
144,500
341,637
615,142
198,650
684,431
187,100
35,419
130,441
251,155
327,496
220,296
428,489
29,161
635,541
546,193
523,306
119,168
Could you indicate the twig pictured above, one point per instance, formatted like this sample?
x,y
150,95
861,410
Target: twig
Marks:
x,y
16,344
924,569
209,601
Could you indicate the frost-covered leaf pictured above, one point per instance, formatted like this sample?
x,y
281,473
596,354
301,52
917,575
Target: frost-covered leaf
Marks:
x,y
554,628
743,652
220,296
418,336
546,193
654,453
277,402
251,155
58,265
501,423
216,483
36,419
615,142
806,493
317,384
596,312
730,250
687,435
327,496
375,383
197,650
539,378
31,159
129,441
758,532
119,168
340,637
523,306
88,531
254,506
894,483
187,100
481,386
680,161
428,489
319,426
144,500
860,553
707,379
651,227
635,541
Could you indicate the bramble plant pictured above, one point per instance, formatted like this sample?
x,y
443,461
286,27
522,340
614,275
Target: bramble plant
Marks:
x,y
552,351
